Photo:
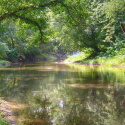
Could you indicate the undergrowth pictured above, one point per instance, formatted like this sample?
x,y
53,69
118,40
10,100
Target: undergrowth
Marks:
x,y
118,60
4,61
42,56
77,58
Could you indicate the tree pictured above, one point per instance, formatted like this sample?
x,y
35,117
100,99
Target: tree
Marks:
x,y
82,25
17,42
31,12
76,16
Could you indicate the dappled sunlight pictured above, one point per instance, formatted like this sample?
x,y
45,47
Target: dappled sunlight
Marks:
x,y
62,62
14,106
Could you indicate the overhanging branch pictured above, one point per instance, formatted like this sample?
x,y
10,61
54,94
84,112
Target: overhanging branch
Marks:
x,y
33,22
5,15
69,12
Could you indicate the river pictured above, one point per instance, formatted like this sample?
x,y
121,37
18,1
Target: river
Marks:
x,y
49,93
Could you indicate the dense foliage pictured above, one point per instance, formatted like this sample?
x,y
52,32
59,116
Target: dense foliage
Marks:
x,y
61,25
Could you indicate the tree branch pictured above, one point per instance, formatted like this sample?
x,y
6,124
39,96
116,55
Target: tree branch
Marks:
x,y
77,23
5,15
72,16
34,22
123,27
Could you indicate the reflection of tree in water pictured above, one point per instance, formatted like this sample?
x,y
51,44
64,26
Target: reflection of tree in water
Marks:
x,y
67,106
63,104
38,111
98,107
12,85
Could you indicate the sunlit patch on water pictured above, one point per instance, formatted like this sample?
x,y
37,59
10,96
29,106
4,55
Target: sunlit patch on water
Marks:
x,y
49,68
88,86
73,79
122,84
17,106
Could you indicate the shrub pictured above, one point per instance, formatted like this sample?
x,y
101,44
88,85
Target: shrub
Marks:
x,y
12,54
3,49
31,52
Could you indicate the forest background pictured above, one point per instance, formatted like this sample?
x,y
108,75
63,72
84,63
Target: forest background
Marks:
x,y
32,29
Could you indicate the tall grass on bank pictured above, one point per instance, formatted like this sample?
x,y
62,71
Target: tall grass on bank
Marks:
x,y
118,60
77,58
2,122
113,60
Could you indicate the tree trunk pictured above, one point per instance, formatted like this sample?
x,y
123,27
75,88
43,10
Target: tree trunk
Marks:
x,y
96,49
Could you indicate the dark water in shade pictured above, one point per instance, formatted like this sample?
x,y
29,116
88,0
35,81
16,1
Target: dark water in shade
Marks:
x,y
46,93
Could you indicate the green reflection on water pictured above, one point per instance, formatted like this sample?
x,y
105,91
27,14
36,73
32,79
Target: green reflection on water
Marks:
x,y
49,93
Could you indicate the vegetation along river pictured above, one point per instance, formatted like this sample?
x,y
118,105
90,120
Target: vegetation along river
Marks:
x,y
49,93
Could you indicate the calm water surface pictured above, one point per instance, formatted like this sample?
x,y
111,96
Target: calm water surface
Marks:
x,y
46,93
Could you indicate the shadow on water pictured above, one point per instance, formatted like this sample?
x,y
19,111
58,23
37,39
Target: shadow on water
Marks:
x,y
50,94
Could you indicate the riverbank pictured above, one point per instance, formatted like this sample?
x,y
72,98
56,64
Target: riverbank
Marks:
x,y
5,114
93,64
52,56
43,56
84,59
4,63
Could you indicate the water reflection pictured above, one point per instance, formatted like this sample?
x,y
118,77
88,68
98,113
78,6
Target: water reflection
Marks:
x,y
64,94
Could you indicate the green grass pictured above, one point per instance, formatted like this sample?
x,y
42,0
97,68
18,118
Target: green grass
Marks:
x,y
77,58
90,61
2,122
114,60
118,60
4,61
